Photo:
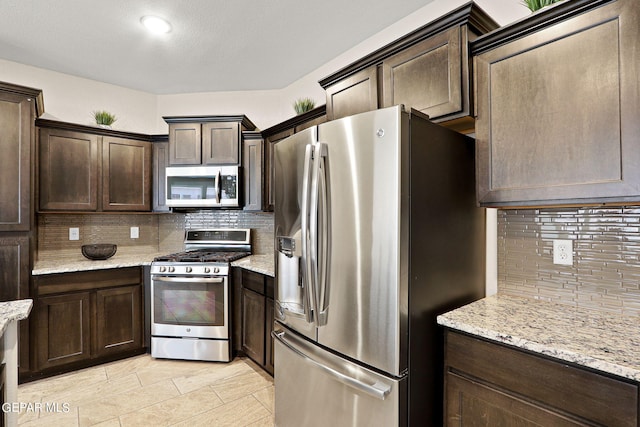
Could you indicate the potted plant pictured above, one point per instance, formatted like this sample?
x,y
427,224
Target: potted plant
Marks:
x,y
303,105
104,118
534,5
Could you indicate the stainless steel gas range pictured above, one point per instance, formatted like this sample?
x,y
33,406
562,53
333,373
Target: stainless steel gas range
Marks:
x,y
190,306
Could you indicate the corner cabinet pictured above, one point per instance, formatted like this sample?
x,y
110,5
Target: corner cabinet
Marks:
x,y
428,70
206,140
279,132
557,107
253,170
87,317
490,384
82,168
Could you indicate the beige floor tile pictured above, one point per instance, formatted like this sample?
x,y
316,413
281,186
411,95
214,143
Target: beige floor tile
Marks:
x,y
210,375
101,410
240,412
143,391
162,369
235,387
267,397
68,419
173,411
264,422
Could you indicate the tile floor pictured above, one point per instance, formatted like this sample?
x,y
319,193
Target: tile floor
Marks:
x,y
142,391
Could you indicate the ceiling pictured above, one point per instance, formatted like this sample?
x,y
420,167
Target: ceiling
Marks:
x,y
214,45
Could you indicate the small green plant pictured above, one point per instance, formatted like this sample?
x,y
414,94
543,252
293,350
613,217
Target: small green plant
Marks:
x,y
534,5
104,118
303,105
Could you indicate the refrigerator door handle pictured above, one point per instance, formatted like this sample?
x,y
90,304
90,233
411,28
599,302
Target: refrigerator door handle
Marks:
x,y
377,390
307,276
319,232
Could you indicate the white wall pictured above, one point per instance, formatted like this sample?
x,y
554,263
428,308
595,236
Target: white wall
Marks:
x,y
72,99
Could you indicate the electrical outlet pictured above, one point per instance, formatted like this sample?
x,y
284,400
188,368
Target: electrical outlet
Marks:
x,y
563,252
74,233
135,232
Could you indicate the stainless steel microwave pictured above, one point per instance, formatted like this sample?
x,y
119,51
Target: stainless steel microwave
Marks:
x,y
203,186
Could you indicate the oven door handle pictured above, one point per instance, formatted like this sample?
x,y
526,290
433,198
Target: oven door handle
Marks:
x,y
189,279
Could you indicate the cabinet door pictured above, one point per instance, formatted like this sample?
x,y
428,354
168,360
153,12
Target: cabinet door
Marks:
x,y
63,329
185,144
126,175
118,320
221,143
558,113
428,76
68,170
472,403
268,339
14,284
253,325
16,115
159,170
252,168
355,94
269,166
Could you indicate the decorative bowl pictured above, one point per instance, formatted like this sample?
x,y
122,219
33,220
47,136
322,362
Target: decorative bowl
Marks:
x,y
99,251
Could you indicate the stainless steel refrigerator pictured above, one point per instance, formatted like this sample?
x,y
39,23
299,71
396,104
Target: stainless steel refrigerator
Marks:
x,y
377,232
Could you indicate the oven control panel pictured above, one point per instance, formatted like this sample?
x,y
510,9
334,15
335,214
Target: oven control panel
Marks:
x,y
183,269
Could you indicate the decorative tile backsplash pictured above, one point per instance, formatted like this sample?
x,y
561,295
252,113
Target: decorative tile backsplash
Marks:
x,y
605,274
163,233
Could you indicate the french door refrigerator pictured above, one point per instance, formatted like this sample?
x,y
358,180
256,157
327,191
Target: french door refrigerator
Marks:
x,y
377,232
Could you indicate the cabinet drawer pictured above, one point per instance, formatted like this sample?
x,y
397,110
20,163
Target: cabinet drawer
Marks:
x,y
269,286
253,281
86,280
585,394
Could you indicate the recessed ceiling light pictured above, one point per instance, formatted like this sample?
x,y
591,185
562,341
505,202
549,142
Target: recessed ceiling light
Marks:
x,y
156,25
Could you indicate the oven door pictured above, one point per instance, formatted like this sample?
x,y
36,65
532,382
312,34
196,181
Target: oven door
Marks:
x,y
195,307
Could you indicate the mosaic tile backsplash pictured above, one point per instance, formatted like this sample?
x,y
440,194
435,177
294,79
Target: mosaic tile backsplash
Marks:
x,y
605,274
163,233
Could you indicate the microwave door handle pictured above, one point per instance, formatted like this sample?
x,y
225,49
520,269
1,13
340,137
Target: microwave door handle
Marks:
x,y
309,301
218,187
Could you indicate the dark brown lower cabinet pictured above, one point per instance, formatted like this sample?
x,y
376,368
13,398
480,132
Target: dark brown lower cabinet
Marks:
x,y
489,384
253,325
85,318
63,325
256,319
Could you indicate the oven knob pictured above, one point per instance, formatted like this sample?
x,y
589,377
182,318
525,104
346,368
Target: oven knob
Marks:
x,y
188,269
216,270
207,270
163,269
172,269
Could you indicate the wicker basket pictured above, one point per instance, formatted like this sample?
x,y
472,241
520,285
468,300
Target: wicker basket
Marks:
x,y
99,251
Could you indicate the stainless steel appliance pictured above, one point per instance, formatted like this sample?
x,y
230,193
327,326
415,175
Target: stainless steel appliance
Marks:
x,y
202,186
377,232
190,296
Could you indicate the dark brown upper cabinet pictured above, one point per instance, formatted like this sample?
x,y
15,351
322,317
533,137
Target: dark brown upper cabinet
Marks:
x,y
82,168
428,70
558,97
17,113
252,166
206,140
126,174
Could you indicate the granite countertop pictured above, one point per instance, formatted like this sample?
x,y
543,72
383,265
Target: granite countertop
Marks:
x,y
259,263
79,263
13,311
603,341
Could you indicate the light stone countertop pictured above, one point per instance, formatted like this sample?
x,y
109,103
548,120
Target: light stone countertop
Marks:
x,y
603,341
259,263
13,311
80,263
